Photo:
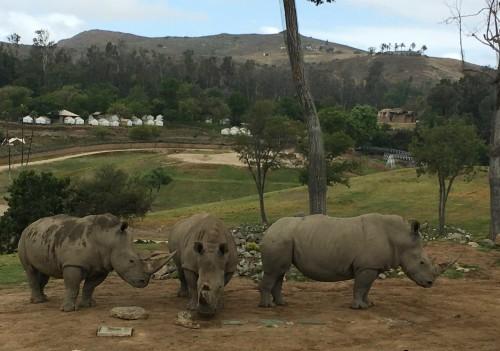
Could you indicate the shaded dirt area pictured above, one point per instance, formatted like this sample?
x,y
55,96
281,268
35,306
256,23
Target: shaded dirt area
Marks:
x,y
456,314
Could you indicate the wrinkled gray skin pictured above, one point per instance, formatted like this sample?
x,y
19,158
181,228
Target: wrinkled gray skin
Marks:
x,y
206,259
80,249
330,249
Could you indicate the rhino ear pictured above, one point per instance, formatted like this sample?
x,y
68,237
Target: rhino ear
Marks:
x,y
415,227
198,247
124,226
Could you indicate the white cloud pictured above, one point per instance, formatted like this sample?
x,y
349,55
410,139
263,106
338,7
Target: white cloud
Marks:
x,y
269,30
59,25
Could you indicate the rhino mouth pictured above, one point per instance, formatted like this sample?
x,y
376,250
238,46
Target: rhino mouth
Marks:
x,y
425,283
204,308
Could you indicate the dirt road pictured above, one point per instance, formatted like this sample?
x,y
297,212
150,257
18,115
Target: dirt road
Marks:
x,y
456,314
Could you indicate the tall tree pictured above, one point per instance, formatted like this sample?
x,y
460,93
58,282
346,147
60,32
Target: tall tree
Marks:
x,y
264,147
448,151
490,39
317,179
44,47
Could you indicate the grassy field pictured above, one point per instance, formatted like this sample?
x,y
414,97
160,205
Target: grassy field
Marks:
x,y
395,192
192,184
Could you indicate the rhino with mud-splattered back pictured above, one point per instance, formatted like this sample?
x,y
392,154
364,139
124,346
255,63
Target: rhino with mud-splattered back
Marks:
x,y
81,249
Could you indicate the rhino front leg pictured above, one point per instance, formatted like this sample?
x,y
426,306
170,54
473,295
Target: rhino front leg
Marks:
x,y
73,276
88,289
266,288
192,285
276,291
183,289
362,284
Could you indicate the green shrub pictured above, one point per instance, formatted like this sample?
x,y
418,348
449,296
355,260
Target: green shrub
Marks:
x,y
31,196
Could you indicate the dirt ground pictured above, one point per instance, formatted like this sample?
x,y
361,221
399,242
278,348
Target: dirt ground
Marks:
x,y
456,314
219,158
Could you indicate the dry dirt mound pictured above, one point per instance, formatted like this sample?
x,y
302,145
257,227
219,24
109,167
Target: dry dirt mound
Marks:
x,y
459,314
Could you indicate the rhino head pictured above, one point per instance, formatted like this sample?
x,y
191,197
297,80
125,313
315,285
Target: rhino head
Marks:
x,y
415,262
212,257
131,267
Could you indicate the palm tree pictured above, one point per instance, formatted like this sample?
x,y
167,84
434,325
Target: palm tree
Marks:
x,y
424,48
413,46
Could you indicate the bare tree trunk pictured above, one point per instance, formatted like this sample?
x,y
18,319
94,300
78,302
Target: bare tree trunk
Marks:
x,y
494,173
442,204
317,166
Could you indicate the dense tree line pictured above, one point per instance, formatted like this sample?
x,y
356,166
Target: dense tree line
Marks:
x,y
117,79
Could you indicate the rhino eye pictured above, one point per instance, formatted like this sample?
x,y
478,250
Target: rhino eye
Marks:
x,y
422,262
131,261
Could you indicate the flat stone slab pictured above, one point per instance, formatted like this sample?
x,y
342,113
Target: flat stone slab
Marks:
x,y
129,313
114,331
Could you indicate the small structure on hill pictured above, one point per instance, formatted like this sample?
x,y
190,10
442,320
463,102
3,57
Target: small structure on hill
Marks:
x,y
396,115
42,120
69,120
79,121
27,119
63,114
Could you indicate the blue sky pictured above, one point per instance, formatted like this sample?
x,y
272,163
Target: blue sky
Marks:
x,y
358,23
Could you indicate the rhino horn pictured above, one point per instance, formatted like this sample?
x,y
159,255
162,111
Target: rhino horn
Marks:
x,y
442,267
157,260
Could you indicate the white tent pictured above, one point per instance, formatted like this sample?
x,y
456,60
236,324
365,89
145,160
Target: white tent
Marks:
x,y
28,119
93,122
150,118
79,121
69,120
103,122
159,123
66,113
137,122
114,124
150,122
245,131
159,118
126,122
40,120
225,131
114,118
234,131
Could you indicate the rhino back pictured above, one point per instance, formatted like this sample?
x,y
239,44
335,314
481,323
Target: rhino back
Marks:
x,y
52,243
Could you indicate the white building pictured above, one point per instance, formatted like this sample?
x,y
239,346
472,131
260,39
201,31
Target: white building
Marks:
x,y
28,119
69,120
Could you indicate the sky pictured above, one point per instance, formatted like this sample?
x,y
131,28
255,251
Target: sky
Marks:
x,y
357,23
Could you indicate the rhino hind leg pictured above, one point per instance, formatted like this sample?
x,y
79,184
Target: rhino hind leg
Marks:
x,y
37,282
362,284
88,289
72,278
276,291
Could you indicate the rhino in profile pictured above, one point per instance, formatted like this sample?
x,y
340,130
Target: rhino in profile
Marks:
x,y
206,259
81,249
335,249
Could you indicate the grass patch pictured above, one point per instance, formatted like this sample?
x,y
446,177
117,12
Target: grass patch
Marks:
x,y
395,192
453,274
11,271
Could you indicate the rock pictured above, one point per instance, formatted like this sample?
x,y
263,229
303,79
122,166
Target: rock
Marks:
x,y
487,243
184,319
129,313
382,276
455,237
473,244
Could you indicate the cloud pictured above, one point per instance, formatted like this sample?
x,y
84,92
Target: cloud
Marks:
x,y
269,30
59,25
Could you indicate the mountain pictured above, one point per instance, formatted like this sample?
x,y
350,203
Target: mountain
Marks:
x,y
333,58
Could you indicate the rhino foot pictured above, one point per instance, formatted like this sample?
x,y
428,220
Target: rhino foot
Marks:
x,y
361,305
87,303
266,304
68,307
39,299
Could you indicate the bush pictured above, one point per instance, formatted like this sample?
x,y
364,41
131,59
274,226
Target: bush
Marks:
x,y
31,196
101,133
144,133
111,190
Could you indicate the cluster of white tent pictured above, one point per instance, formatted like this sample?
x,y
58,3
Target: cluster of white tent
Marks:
x,y
37,120
235,131
70,118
